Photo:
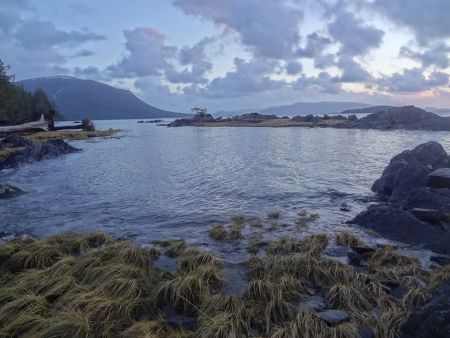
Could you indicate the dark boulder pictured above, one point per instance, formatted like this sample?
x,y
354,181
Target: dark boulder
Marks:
x,y
9,191
439,178
433,318
401,225
431,216
408,171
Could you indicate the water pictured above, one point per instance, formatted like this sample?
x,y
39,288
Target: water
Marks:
x,y
157,182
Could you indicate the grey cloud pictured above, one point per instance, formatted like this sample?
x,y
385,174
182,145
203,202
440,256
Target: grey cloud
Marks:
x,y
43,34
428,19
293,67
315,45
355,37
248,77
437,55
351,71
146,54
83,53
413,80
195,57
270,28
323,83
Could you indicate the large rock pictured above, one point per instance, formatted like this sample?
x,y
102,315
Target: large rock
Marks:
x,y
401,225
409,171
433,318
439,178
428,198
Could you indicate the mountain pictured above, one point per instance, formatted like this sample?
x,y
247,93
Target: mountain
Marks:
x,y
77,99
301,108
368,110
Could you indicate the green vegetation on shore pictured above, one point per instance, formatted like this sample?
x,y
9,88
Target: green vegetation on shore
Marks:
x,y
18,105
74,285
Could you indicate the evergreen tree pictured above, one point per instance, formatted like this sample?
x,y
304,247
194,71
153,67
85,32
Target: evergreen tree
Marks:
x,y
18,105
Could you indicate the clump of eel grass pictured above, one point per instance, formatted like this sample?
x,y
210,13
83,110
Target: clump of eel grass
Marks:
x,y
74,285
348,239
219,232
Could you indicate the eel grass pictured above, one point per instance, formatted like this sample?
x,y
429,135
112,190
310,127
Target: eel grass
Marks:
x,y
74,285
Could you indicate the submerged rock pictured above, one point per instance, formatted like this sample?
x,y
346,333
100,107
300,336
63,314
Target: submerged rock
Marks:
x,y
9,191
433,318
315,303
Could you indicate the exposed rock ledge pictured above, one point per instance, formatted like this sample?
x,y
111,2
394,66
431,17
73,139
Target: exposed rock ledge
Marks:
x,y
15,150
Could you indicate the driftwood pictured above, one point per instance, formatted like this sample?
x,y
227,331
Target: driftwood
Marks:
x,y
42,124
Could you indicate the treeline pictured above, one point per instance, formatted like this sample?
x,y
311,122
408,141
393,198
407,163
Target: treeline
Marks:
x,y
18,105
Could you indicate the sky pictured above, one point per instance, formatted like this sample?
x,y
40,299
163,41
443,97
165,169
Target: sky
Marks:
x,y
232,54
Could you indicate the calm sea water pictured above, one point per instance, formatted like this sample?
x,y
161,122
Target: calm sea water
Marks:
x,y
158,182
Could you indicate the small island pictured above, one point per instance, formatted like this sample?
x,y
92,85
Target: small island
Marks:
x,y
387,118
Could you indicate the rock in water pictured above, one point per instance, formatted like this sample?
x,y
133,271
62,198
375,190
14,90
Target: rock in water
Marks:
x,y
401,225
439,178
409,170
9,191
433,318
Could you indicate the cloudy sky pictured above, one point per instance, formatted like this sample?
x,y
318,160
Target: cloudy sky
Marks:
x,y
230,54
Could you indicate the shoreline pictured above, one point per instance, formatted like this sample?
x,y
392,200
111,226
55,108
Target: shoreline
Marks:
x,y
287,286
28,147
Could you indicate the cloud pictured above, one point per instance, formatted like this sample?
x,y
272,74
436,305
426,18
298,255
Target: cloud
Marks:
x,y
351,71
293,67
413,80
43,34
355,37
247,78
315,45
436,55
427,19
323,83
146,54
270,28
195,57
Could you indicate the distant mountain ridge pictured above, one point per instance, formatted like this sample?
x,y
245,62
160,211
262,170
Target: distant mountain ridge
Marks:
x,y
301,108
76,99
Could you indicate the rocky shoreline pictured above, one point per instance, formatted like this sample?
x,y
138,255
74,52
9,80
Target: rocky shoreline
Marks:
x,y
290,287
389,118
414,194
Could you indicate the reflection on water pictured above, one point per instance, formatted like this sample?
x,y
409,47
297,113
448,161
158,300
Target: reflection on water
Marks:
x,y
158,182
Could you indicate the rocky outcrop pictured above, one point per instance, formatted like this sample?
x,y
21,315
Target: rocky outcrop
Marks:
x,y
416,197
407,117
433,318
24,151
409,171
